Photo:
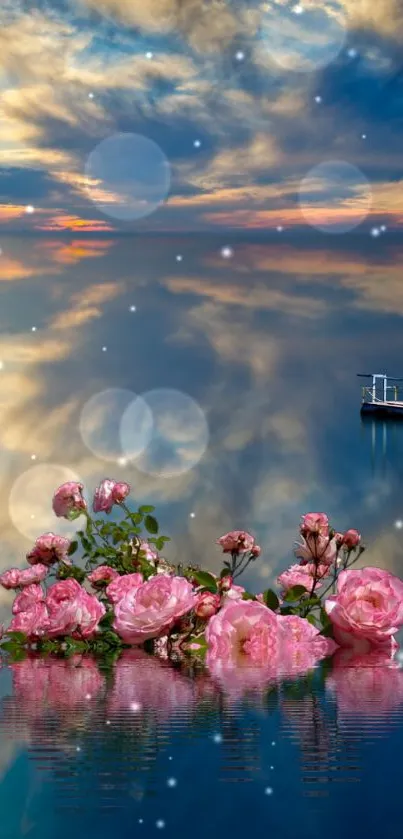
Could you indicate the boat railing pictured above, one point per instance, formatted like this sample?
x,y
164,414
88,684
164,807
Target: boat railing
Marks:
x,y
369,396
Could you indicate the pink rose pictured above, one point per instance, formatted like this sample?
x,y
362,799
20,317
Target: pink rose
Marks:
x,y
33,622
243,629
109,493
207,604
225,583
351,538
121,586
316,548
68,500
28,597
256,551
233,593
49,549
237,541
72,610
302,575
149,550
314,523
368,606
295,631
102,574
11,578
151,609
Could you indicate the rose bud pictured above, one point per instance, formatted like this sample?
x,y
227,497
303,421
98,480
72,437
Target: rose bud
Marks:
x,y
207,604
351,538
226,582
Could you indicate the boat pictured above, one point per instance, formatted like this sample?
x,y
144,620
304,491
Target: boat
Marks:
x,y
381,399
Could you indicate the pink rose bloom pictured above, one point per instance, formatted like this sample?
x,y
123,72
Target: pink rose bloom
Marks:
x,y
49,549
72,610
11,578
351,538
368,606
102,574
237,541
151,609
33,622
29,597
225,583
68,499
318,549
149,550
36,574
207,604
121,586
294,630
314,523
233,593
243,629
109,493
302,575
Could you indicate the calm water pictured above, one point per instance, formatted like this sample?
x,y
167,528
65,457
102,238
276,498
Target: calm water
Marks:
x,y
266,344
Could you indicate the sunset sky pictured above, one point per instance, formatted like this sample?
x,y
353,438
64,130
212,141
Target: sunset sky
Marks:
x,y
232,106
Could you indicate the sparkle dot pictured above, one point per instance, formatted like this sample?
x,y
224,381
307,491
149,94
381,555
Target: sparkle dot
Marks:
x,y
318,99
132,308
29,209
197,144
269,791
135,706
32,516
90,96
352,53
172,782
108,722
33,456
78,748
383,227
104,349
399,524
364,136
227,252
192,515
88,696
122,461
239,55
170,758
272,767
280,228
375,232
149,54
160,823
140,821
217,738
33,329
273,742
179,257
298,10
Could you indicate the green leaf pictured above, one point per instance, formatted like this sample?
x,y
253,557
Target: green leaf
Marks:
x,y
146,508
136,518
247,596
271,600
311,619
294,593
19,637
72,549
205,579
226,572
151,524
86,544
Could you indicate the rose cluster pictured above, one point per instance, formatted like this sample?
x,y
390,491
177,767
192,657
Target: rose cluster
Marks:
x,y
128,595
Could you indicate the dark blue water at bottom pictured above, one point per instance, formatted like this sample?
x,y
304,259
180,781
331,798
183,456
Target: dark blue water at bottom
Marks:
x,y
151,747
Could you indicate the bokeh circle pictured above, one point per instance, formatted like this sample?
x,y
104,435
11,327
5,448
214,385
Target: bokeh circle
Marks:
x,y
303,37
101,424
128,176
179,435
335,197
30,501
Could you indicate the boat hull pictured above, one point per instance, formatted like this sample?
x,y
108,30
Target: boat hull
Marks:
x,y
385,409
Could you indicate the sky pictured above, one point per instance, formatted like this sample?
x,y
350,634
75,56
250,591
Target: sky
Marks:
x,y
175,116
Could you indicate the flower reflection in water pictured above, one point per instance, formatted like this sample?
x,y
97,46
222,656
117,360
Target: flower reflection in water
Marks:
x,y
104,733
